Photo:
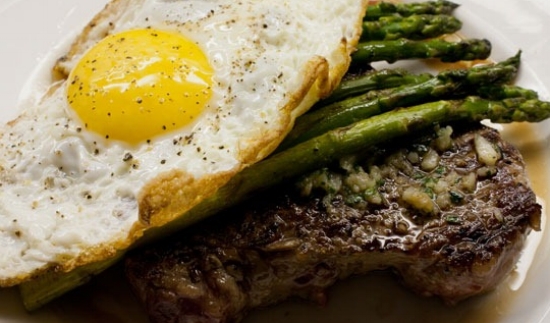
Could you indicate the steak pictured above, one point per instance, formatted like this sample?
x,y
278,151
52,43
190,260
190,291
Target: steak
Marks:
x,y
448,212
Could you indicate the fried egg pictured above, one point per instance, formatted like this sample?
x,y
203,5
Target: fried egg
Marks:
x,y
160,103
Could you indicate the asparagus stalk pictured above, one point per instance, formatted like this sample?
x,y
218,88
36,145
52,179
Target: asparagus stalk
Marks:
x,y
496,92
393,50
443,7
373,80
305,157
452,83
51,285
414,27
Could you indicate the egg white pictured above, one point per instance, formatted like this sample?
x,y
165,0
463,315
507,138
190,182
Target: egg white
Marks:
x,y
70,197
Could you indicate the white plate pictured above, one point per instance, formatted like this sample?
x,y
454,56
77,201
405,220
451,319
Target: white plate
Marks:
x,y
31,29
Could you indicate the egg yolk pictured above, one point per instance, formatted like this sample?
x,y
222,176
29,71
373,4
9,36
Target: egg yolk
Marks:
x,y
138,84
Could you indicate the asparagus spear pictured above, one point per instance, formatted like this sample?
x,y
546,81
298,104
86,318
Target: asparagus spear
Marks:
x,y
413,27
373,80
496,92
382,9
305,157
487,78
51,285
393,50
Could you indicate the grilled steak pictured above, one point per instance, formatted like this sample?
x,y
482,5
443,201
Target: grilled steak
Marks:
x,y
447,213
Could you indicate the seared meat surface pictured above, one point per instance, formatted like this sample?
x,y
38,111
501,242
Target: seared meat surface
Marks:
x,y
449,214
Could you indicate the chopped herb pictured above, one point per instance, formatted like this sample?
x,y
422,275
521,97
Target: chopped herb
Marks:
x,y
453,219
456,197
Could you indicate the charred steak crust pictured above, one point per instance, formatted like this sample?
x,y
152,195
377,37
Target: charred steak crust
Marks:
x,y
446,219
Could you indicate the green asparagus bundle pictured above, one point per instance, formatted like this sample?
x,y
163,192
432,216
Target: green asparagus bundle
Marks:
x,y
394,32
453,83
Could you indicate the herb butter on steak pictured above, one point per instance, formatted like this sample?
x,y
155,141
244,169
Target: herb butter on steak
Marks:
x,y
448,213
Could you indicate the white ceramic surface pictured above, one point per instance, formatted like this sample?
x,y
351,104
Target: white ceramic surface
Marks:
x,y
30,30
